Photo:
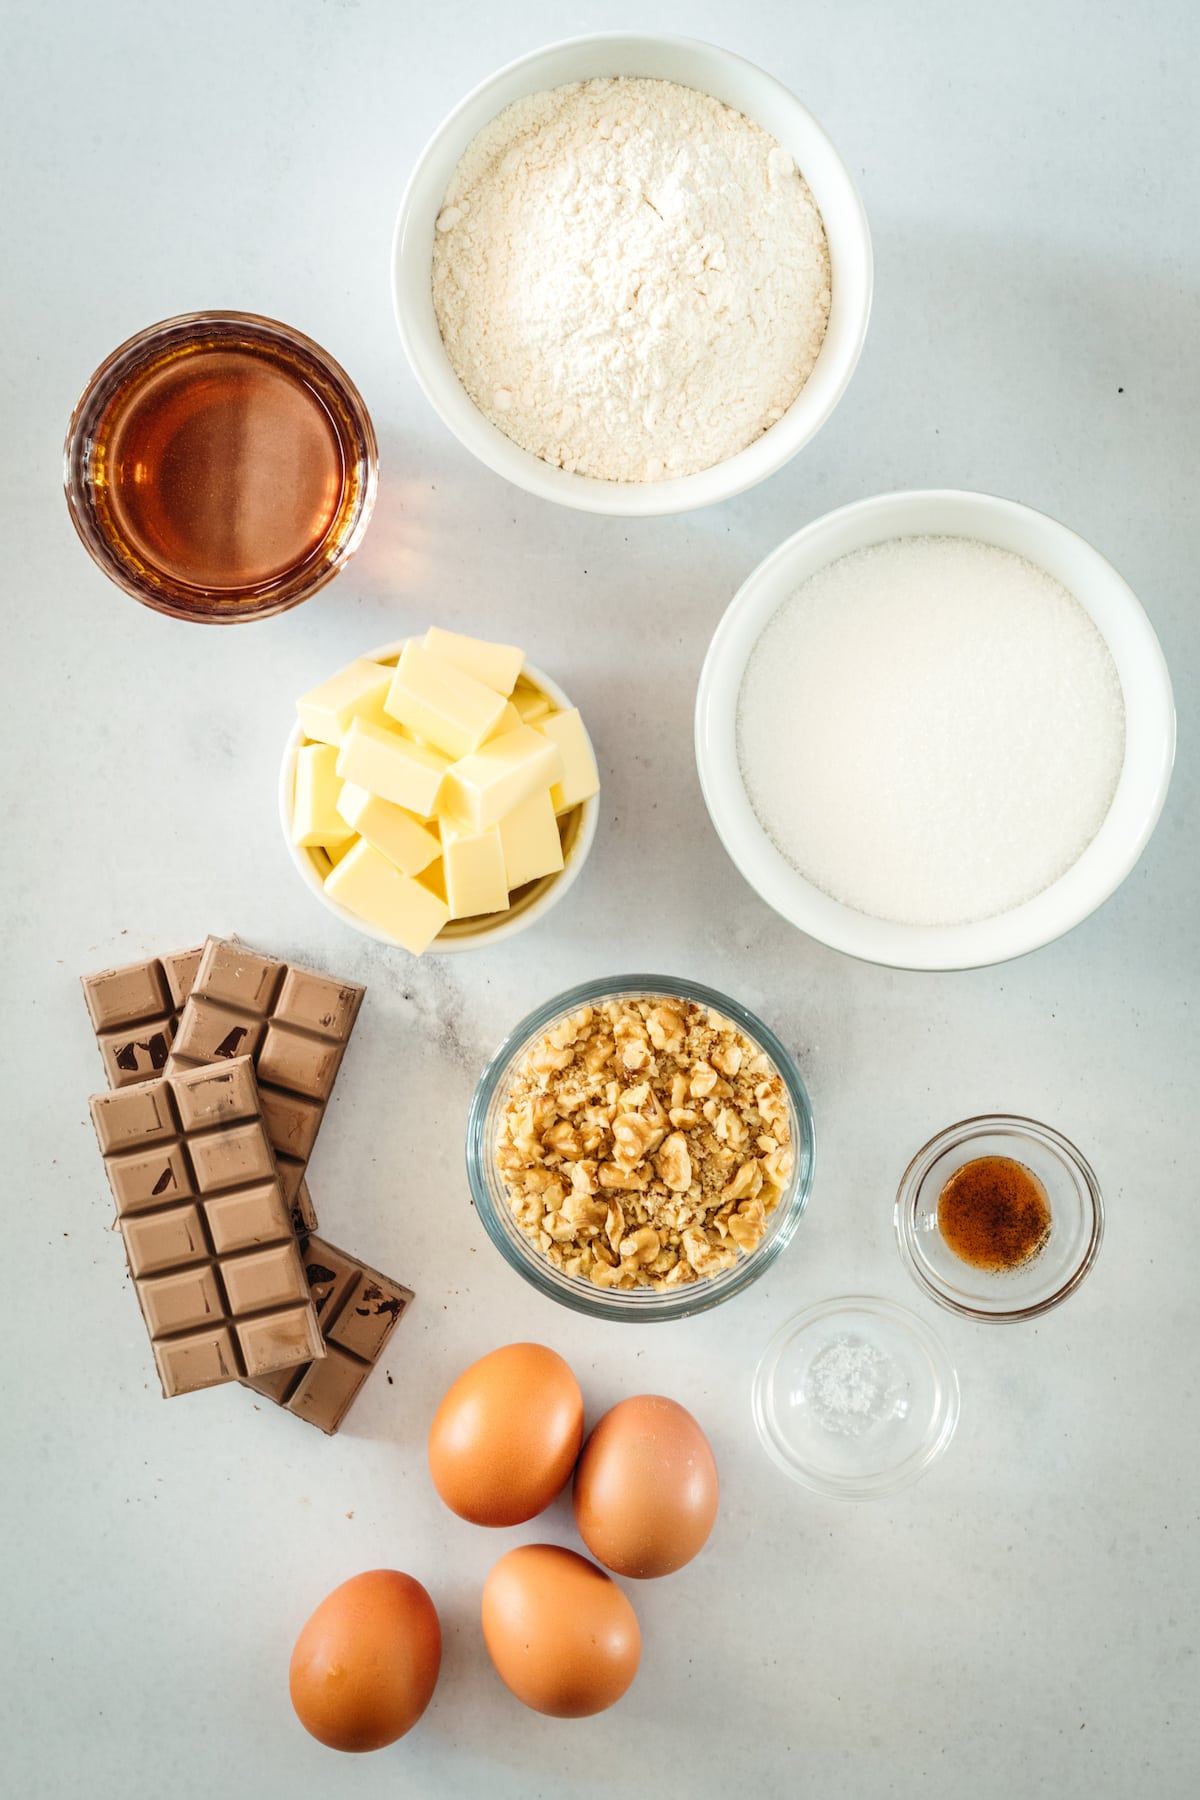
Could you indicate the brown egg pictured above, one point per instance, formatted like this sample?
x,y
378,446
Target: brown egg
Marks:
x,y
504,1440
366,1664
646,1488
560,1632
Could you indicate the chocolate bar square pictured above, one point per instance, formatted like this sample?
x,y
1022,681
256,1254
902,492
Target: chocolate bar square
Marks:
x,y
357,1311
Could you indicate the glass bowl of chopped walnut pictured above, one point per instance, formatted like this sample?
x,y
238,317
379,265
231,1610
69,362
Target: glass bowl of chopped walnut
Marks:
x,y
640,1148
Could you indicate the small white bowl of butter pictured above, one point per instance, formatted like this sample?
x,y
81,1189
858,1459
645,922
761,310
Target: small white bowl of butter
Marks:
x,y
528,902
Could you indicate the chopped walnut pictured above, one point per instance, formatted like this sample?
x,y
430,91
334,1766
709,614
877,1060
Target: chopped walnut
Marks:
x,y
645,1143
563,1138
746,1183
667,1029
633,1137
642,1246
674,1164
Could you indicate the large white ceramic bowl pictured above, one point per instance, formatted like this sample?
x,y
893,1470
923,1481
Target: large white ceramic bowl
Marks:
x,y
1149,728
692,64
532,903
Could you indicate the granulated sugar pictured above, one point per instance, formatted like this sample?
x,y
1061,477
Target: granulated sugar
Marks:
x,y
931,730
631,279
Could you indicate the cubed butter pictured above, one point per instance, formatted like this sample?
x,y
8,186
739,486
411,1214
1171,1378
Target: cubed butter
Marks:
x,y
481,788
530,841
434,878
496,665
580,778
356,692
449,709
335,852
530,702
395,833
315,818
473,871
372,888
509,719
392,766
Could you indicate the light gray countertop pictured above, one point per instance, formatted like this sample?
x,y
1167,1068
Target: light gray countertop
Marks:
x,y
1022,1622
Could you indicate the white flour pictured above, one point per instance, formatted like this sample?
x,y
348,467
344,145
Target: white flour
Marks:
x,y
631,279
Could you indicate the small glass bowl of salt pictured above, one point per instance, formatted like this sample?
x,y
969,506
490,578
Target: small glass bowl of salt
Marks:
x,y
855,1398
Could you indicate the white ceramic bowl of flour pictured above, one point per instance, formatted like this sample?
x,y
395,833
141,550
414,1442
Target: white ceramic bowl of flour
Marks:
x,y
738,84
1144,769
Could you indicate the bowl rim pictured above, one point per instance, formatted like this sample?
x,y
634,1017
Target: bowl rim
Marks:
x,y
505,927
642,1305
852,268
1149,731
914,1466
962,1131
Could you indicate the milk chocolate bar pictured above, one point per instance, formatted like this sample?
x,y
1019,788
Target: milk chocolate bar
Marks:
x,y
135,1010
293,1022
210,1242
357,1310
135,1013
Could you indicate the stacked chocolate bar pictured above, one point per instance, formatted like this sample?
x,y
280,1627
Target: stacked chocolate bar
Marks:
x,y
206,1160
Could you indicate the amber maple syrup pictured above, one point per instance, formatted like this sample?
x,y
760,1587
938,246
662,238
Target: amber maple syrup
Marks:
x,y
994,1213
227,461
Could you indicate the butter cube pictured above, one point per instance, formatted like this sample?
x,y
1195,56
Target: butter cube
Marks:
x,y
434,878
450,710
315,818
530,841
509,720
473,871
496,665
479,789
372,888
357,692
580,778
328,856
395,833
530,702
392,766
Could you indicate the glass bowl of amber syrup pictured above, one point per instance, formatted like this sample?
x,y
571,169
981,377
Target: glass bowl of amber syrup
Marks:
x,y
220,467
999,1217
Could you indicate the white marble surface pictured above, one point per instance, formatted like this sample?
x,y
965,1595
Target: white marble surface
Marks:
x,y
1022,1622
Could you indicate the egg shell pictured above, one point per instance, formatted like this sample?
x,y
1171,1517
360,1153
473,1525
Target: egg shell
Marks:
x,y
646,1488
365,1665
561,1634
504,1440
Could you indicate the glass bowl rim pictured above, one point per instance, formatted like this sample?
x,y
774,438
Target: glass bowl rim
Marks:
x,y
914,1466
645,1305
962,1131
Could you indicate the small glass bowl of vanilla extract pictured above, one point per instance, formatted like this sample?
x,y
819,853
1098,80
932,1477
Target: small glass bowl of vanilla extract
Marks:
x,y
999,1217
220,466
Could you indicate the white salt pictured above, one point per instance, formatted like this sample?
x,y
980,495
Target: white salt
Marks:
x,y
931,730
852,1386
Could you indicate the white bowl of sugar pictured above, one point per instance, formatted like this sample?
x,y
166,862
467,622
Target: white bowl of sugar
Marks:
x,y
628,354
935,730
